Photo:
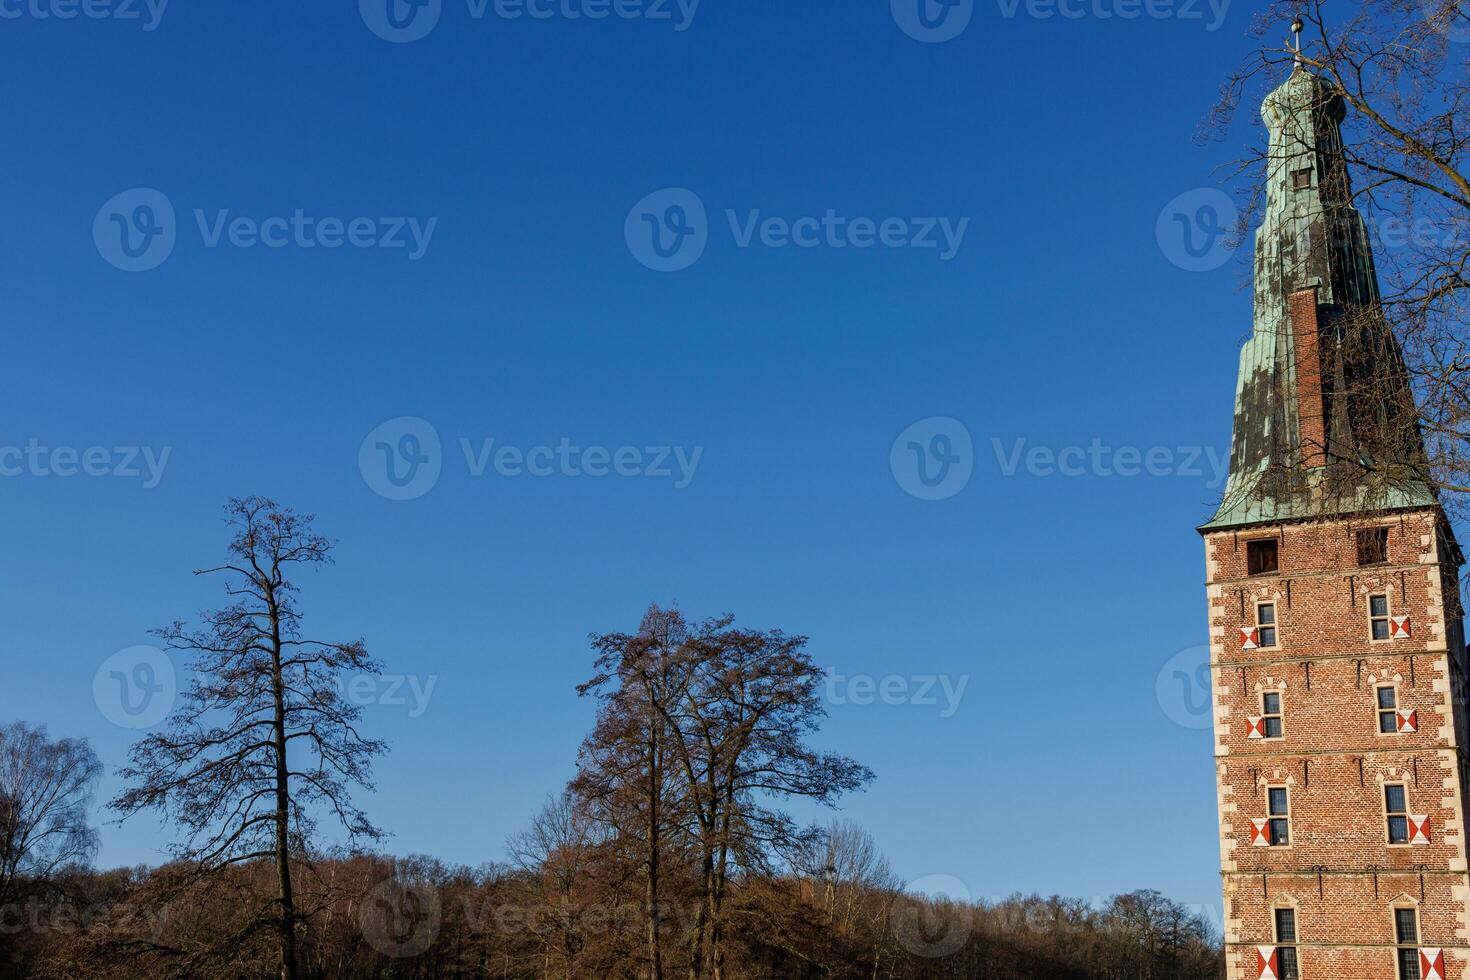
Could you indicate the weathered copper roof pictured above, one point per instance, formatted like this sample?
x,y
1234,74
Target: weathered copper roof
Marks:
x,y
1312,236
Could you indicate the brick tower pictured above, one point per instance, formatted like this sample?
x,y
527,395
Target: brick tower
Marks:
x,y
1336,645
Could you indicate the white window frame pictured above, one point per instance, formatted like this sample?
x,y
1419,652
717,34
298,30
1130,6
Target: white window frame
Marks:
x,y
1271,818
1274,626
1388,816
1379,710
1386,619
1279,714
1398,944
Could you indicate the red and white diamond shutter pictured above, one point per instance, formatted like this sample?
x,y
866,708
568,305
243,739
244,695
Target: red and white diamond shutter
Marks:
x,y
1408,721
1398,627
1259,835
1266,967
1431,964
1418,829
1250,637
1257,726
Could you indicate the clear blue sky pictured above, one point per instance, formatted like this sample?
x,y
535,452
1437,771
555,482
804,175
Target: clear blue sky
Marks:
x,y
1058,600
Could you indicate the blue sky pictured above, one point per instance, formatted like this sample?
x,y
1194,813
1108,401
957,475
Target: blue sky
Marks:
x,y
1061,602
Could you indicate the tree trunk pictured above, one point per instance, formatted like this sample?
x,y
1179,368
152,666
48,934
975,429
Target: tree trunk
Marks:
x,y
721,876
717,908
283,803
655,789
696,936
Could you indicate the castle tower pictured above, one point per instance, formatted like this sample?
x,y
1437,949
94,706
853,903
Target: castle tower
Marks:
x,y
1337,652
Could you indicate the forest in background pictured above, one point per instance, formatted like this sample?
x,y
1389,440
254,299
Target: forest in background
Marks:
x,y
417,919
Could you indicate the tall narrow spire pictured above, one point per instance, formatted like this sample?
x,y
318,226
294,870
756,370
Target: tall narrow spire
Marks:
x,y
1322,401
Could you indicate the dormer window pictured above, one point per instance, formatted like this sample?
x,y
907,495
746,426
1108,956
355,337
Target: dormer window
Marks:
x,y
1373,546
1261,557
1301,180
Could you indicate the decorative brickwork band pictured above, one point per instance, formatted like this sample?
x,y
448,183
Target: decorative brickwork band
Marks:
x,y
1302,308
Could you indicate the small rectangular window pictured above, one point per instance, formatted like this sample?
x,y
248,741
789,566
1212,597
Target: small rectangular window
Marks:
x,y
1406,929
1388,713
1406,934
1378,616
1301,179
1271,714
1373,546
1396,806
1261,556
1266,623
1286,944
1278,808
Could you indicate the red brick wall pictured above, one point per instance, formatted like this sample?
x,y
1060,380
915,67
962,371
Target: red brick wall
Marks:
x,y
1302,308
1339,870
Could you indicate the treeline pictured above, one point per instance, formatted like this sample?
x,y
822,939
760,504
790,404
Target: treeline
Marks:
x,y
417,919
669,853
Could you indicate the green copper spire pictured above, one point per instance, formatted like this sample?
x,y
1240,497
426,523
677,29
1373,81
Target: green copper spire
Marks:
x,y
1342,380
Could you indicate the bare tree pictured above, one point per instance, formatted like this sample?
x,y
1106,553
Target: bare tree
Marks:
x,y
627,770
263,739
1397,74
745,730
729,710
45,790
558,848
